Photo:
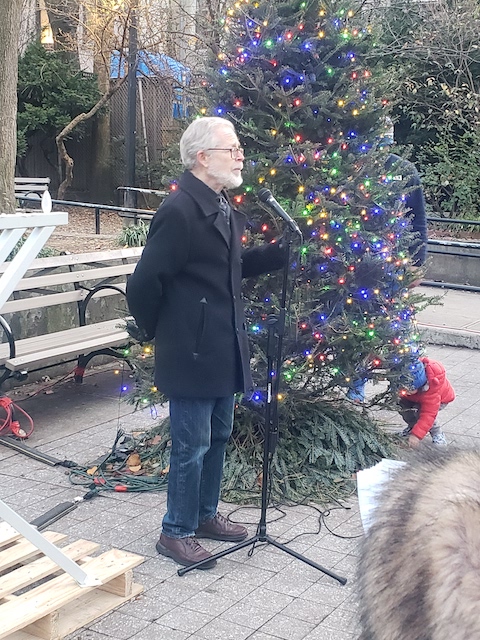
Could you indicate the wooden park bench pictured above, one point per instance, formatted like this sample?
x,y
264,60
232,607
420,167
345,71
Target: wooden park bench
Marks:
x,y
74,280
30,188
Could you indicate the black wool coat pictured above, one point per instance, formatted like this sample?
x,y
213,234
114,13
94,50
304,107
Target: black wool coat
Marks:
x,y
186,293
415,205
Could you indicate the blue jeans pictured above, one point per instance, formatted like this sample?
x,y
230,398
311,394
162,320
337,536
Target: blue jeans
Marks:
x,y
410,412
199,430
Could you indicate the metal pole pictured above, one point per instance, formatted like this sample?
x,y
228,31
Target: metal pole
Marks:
x,y
144,130
97,220
131,109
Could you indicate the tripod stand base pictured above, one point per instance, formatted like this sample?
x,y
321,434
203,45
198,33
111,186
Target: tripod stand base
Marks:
x,y
268,540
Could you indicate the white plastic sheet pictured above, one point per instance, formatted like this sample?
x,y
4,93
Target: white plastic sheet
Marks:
x,y
370,483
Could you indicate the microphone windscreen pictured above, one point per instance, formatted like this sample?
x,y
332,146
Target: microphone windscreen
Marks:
x,y
264,194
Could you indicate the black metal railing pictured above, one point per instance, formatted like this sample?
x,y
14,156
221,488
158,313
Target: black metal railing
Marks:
x,y
124,212
466,223
433,244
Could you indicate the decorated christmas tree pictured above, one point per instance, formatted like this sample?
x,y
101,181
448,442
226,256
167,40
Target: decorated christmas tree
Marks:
x,y
311,113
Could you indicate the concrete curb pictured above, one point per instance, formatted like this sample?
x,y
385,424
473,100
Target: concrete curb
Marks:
x,y
449,336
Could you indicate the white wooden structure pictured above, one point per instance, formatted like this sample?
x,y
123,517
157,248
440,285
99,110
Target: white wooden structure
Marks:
x,y
12,228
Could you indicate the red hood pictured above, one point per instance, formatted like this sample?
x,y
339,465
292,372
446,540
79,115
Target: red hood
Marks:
x,y
435,372
439,392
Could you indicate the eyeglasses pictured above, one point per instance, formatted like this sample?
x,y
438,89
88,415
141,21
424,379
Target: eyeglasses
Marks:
x,y
235,152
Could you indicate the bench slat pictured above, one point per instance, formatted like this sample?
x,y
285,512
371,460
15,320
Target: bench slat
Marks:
x,y
19,180
30,188
50,300
67,336
38,302
73,259
53,279
76,343
65,351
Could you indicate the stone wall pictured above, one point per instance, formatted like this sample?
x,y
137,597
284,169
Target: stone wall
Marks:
x,y
454,268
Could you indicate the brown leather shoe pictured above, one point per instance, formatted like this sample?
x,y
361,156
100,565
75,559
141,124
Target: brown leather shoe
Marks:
x,y
185,551
219,528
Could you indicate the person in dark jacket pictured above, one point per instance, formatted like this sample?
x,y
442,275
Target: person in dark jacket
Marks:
x,y
414,205
186,294
414,198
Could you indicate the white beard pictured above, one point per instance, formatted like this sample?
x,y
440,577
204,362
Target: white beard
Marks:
x,y
228,180
233,181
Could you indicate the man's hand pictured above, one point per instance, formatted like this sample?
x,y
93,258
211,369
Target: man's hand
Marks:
x,y
134,331
413,441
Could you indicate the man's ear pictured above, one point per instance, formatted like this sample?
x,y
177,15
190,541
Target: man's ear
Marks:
x,y
202,158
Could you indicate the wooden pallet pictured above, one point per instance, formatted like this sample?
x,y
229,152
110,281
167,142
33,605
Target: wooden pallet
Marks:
x,y
39,600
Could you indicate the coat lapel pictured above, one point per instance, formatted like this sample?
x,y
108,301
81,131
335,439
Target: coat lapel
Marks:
x,y
205,198
222,226
237,223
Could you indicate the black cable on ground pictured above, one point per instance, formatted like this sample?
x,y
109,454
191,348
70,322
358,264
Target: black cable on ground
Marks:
x,y
52,515
116,480
20,447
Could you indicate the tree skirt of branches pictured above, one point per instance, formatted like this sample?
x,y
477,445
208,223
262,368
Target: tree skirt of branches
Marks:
x,y
321,444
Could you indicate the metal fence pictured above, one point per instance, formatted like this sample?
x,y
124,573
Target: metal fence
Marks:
x,y
156,126
125,212
444,250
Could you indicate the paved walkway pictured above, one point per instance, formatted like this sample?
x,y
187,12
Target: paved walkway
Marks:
x,y
267,596
454,322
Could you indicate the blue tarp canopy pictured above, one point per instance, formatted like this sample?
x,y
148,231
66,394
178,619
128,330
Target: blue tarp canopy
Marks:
x,y
156,64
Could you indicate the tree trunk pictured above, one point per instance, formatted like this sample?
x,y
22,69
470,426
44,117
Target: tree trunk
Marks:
x,y
101,169
9,33
67,160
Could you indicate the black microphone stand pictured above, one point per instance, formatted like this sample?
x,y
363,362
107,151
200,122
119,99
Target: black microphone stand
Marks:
x,y
276,331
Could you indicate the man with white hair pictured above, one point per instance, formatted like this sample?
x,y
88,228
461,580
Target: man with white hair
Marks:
x,y
186,293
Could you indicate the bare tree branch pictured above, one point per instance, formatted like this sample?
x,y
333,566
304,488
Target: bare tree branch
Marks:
x,y
64,133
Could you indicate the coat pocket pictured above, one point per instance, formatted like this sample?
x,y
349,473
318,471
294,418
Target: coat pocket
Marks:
x,y
202,323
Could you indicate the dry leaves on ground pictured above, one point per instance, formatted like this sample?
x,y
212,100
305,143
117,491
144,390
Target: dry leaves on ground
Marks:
x,y
79,236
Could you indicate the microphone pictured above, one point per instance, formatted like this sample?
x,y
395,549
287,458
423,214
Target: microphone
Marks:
x,y
265,195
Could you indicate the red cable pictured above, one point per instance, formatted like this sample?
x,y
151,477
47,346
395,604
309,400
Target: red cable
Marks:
x,y
6,405
10,422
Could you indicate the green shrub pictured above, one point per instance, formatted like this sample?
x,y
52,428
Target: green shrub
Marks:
x,y
134,235
51,90
45,252
451,174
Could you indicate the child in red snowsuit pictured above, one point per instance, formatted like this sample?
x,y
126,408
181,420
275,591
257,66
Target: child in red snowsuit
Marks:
x,y
429,392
